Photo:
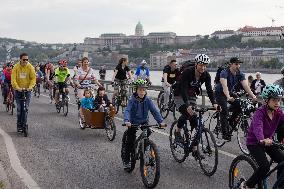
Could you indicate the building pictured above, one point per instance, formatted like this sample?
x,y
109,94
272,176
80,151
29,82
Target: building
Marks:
x,y
264,31
138,39
223,34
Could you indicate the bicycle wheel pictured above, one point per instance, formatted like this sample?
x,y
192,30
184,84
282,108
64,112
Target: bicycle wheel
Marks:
x,y
110,128
124,106
117,104
81,121
209,151
58,107
177,147
164,111
242,167
65,108
159,99
7,106
150,164
242,135
38,90
123,153
215,127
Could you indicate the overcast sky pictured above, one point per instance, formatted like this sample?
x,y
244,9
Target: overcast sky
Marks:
x,y
72,20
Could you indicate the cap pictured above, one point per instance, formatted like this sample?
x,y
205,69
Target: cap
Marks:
x,y
235,60
144,62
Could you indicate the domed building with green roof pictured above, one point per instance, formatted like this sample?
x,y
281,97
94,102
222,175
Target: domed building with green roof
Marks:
x,y
139,29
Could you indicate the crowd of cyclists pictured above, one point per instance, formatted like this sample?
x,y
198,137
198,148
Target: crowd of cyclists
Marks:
x,y
184,81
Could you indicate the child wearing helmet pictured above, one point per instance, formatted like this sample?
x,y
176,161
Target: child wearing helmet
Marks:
x,y
260,134
136,112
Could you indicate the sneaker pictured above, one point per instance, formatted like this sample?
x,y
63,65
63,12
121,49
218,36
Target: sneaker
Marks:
x,y
243,186
197,155
19,129
178,137
126,165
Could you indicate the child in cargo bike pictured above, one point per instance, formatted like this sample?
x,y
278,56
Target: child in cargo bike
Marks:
x,y
101,100
137,113
87,102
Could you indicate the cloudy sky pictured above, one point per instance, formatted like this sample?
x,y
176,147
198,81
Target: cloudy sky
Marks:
x,y
72,20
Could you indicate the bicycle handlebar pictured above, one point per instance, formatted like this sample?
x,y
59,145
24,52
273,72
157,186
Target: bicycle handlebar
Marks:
x,y
278,145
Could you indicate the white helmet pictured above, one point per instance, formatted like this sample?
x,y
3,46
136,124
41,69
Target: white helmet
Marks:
x,y
202,58
143,62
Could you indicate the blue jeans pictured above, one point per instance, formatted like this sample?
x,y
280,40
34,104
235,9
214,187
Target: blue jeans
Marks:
x,y
22,114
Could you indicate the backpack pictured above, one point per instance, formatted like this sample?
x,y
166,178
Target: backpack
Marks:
x,y
219,70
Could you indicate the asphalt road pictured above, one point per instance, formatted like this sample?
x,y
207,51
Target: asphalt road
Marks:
x,y
58,154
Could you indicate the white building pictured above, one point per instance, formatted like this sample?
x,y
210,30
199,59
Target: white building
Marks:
x,y
223,34
264,31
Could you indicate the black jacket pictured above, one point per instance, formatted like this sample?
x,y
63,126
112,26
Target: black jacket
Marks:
x,y
252,86
188,82
99,101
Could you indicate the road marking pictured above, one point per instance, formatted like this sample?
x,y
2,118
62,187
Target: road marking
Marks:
x,y
15,162
166,134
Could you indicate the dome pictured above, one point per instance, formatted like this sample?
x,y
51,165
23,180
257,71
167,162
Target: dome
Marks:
x,y
139,26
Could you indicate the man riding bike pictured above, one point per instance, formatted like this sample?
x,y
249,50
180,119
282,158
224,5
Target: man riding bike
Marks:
x,y
6,78
142,72
49,75
170,75
23,78
186,91
231,81
62,76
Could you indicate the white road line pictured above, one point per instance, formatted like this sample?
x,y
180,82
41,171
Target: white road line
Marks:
x,y
15,162
166,134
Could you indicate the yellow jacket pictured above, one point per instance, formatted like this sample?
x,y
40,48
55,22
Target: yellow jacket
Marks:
x,y
23,76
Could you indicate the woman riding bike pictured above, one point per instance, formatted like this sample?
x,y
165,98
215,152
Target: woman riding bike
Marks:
x,y
259,139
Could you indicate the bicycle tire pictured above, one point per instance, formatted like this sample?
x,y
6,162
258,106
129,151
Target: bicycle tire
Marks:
x,y
132,153
242,134
38,90
174,145
159,98
7,107
216,129
65,108
164,112
153,161
233,184
210,149
110,129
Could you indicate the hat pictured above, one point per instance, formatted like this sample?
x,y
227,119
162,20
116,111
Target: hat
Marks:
x,y
235,60
144,62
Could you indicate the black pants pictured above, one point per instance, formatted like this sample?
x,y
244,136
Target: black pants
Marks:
x,y
280,132
130,140
258,153
185,116
234,107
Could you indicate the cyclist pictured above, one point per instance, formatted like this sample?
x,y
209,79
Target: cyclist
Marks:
x,y
231,81
186,91
23,77
6,78
170,75
49,74
85,77
137,113
62,76
142,72
120,74
259,138
102,72
76,67
39,75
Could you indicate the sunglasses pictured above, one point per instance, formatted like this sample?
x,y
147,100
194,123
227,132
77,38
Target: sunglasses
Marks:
x,y
25,59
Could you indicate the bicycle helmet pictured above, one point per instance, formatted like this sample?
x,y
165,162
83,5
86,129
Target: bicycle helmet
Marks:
x,y
202,58
143,62
282,70
140,83
272,91
63,62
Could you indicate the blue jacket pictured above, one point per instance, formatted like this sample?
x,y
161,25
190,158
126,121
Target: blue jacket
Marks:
x,y
137,112
87,103
138,72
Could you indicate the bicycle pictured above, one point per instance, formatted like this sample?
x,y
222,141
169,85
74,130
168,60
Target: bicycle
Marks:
x,y
236,175
199,136
147,152
36,90
24,111
122,95
170,107
10,100
241,124
62,103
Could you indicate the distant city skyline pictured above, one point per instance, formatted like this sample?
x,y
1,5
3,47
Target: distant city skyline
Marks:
x,y
70,21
